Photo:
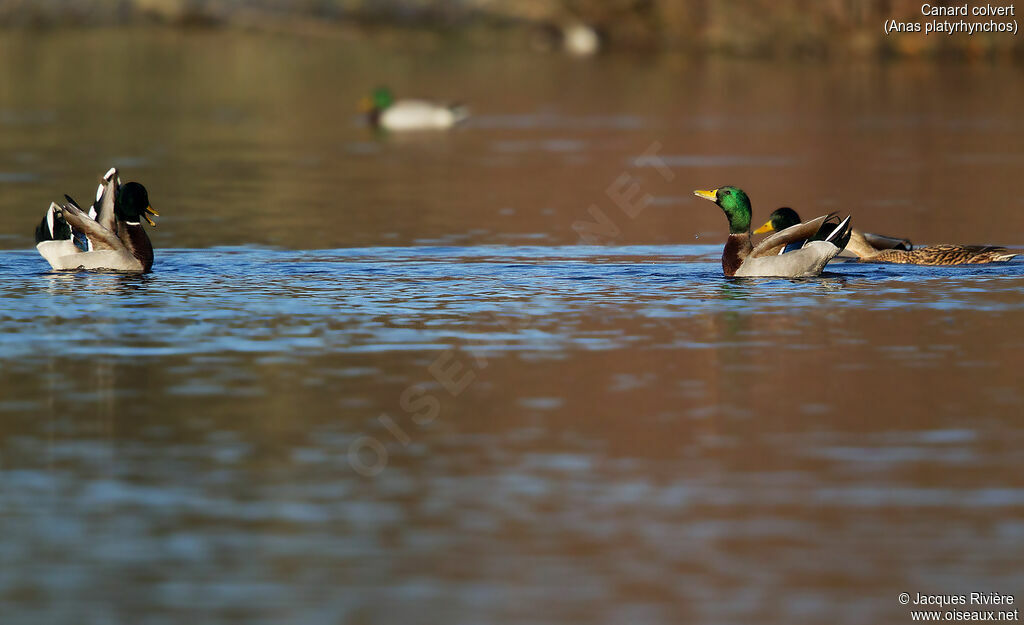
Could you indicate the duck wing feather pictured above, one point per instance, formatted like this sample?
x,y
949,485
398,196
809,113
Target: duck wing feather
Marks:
x,y
772,244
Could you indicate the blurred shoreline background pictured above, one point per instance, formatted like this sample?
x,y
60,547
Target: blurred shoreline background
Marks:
x,y
745,28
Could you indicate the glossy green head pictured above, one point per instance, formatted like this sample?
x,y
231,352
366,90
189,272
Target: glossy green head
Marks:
x,y
382,98
780,219
735,203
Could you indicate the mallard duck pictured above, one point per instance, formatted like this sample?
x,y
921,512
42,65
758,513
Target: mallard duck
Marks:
x,y
384,111
820,241
861,243
110,236
943,254
882,249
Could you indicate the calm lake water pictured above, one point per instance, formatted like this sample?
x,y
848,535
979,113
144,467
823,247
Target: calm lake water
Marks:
x,y
376,379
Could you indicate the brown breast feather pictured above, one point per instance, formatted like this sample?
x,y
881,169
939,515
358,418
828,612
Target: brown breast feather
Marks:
x,y
137,242
737,247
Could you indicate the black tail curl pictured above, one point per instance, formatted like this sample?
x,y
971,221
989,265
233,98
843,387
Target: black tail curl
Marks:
x,y
835,231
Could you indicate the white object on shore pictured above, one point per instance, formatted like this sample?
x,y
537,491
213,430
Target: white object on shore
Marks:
x,y
580,39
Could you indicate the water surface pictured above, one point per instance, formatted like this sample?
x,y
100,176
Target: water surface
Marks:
x,y
375,379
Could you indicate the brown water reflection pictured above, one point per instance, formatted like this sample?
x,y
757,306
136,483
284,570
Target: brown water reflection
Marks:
x,y
642,441
248,139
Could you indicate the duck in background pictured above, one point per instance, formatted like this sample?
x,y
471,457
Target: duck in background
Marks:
x,y
861,243
943,254
875,248
110,236
571,36
817,241
386,112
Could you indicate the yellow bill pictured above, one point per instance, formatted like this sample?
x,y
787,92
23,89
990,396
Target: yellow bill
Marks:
x,y
149,211
366,105
768,227
707,195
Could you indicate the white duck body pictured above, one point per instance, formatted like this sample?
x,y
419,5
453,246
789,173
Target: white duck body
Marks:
x,y
806,262
54,251
419,115
112,260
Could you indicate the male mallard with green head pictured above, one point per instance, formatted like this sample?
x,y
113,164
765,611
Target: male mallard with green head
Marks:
x,y
874,248
820,241
861,243
384,111
110,236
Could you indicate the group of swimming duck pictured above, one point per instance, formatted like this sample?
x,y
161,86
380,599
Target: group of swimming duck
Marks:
x,y
802,249
110,234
